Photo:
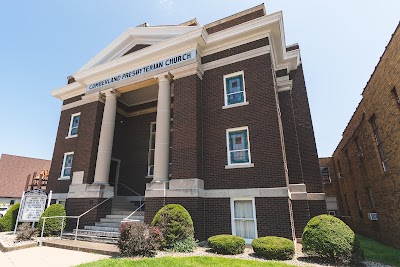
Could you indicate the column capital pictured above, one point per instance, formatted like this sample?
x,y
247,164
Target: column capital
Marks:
x,y
164,77
111,92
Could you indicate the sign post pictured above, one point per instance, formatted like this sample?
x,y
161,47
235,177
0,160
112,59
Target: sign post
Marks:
x,y
33,203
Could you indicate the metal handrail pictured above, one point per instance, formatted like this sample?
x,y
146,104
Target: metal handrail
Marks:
x,y
74,217
132,220
141,197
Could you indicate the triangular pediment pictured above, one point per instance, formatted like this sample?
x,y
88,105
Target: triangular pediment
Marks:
x,y
135,39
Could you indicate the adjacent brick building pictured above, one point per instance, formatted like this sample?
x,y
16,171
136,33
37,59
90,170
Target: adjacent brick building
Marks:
x,y
367,158
213,117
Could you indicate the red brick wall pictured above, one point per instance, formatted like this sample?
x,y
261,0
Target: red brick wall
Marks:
x,y
187,133
301,215
305,132
84,145
290,136
236,21
273,217
235,50
261,118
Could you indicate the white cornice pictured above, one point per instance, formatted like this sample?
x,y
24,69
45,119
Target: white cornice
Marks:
x,y
172,40
68,91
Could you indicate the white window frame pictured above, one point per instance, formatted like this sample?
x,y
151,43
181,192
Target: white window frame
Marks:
x,y
70,125
253,202
150,149
63,166
245,102
231,165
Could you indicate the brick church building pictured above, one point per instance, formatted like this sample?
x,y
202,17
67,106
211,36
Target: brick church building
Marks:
x,y
215,118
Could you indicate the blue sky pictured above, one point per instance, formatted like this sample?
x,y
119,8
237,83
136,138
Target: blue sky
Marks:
x,y
42,42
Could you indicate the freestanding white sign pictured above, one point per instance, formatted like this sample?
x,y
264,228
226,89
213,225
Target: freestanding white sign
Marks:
x,y
33,208
33,203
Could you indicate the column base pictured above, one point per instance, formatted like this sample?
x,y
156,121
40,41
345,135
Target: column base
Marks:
x,y
90,191
157,185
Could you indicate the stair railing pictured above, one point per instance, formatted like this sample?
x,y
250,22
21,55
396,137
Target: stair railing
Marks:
x,y
140,196
130,215
72,217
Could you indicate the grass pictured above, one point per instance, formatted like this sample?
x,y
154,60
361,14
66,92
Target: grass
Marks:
x,y
377,251
197,261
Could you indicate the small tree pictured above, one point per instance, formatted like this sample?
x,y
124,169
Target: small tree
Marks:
x,y
52,226
176,224
7,223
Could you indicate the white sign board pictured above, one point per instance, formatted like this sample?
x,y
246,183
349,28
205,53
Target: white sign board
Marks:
x,y
33,208
142,70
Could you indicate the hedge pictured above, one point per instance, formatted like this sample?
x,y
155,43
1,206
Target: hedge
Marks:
x,y
7,222
227,244
273,248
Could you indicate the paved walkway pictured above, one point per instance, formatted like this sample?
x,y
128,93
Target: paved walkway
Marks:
x,y
46,257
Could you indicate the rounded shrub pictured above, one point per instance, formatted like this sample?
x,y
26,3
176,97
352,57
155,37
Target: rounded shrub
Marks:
x,y
273,248
329,237
176,224
7,223
227,244
52,226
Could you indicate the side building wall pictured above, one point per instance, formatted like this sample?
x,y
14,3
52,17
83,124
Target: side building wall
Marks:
x,y
367,156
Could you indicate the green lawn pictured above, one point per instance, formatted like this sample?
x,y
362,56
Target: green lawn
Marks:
x,y
184,262
377,251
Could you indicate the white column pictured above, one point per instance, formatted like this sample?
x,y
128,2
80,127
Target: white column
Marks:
x,y
106,138
161,153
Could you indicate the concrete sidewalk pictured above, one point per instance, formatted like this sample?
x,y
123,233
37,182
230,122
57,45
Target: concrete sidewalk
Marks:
x,y
46,257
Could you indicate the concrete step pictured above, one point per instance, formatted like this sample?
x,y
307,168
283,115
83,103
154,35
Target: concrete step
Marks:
x,y
111,220
138,213
82,232
124,209
107,224
91,247
98,239
121,212
104,229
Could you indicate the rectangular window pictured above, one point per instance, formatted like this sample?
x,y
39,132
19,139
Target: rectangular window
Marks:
x,y
371,198
339,169
67,165
244,218
379,143
348,160
74,124
396,96
325,176
234,88
238,146
359,204
152,147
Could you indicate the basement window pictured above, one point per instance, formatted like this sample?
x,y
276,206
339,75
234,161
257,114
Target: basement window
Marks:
x,y
244,222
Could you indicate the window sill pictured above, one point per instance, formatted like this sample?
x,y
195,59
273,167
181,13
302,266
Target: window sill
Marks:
x,y
236,105
239,166
64,178
71,136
